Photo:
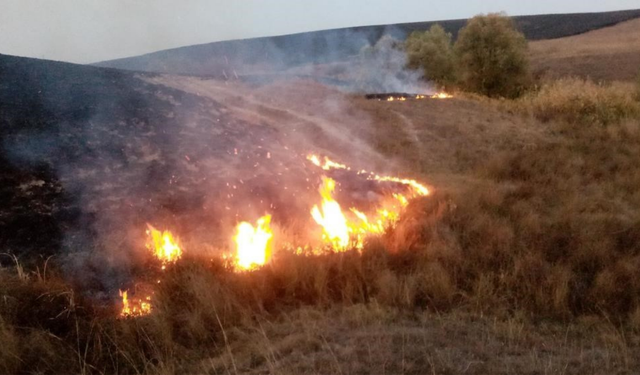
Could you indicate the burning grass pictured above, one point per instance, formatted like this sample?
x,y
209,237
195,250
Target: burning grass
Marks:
x,y
447,253
545,244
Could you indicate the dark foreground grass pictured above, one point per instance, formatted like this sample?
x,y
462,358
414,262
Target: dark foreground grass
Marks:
x,y
485,254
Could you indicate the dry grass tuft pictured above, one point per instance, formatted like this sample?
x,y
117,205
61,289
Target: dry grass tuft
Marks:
x,y
579,101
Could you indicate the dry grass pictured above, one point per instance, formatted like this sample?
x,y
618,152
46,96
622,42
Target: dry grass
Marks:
x,y
579,101
524,261
609,54
382,311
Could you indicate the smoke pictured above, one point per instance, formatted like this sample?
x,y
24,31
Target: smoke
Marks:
x,y
382,68
362,60
192,155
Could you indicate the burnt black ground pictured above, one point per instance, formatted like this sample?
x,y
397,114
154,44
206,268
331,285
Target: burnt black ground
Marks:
x,y
87,151
90,155
50,124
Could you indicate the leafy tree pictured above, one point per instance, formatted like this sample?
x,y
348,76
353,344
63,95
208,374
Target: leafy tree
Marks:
x,y
492,57
432,52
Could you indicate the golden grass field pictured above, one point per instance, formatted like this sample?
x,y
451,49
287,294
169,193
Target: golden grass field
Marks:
x,y
611,53
524,260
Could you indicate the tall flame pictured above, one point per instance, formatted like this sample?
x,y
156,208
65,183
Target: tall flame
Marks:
x,y
163,245
330,216
253,244
134,308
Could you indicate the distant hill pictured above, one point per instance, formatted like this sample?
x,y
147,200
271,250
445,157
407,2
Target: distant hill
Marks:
x,y
607,54
224,59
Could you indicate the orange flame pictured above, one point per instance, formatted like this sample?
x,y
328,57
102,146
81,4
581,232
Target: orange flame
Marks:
x,y
163,245
441,95
134,308
330,217
393,99
340,230
328,164
253,244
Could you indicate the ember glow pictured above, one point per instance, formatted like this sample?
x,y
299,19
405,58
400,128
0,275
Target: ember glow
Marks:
x,y
134,308
329,215
163,245
402,97
253,244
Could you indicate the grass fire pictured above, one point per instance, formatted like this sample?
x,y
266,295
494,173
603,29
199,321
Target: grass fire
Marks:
x,y
454,197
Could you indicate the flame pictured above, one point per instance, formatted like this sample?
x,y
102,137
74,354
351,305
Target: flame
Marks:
x,y
253,244
438,95
330,217
340,230
327,164
418,188
134,308
399,98
163,245
441,95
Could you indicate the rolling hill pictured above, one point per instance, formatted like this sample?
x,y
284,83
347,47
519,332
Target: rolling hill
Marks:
x,y
607,54
522,259
268,54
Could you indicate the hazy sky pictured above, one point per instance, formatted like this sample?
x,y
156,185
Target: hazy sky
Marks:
x,y
86,31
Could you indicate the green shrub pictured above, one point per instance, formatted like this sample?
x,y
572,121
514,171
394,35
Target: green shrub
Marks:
x,y
432,52
491,57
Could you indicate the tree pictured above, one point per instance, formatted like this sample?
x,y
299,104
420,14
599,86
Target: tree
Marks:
x,y
432,52
492,57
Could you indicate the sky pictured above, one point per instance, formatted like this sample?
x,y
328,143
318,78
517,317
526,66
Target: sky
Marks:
x,y
86,31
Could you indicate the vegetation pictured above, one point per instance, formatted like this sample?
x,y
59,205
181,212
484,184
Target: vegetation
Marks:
x,y
432,52
578,101
638,86
488,58
489,252
534,244
491,57
550,236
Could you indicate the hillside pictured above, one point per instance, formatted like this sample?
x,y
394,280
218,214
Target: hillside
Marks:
x,y
521,258
84,146
611,53
268,54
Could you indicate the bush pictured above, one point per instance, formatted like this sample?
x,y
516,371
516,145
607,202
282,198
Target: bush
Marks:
x,y
432,52
491,57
